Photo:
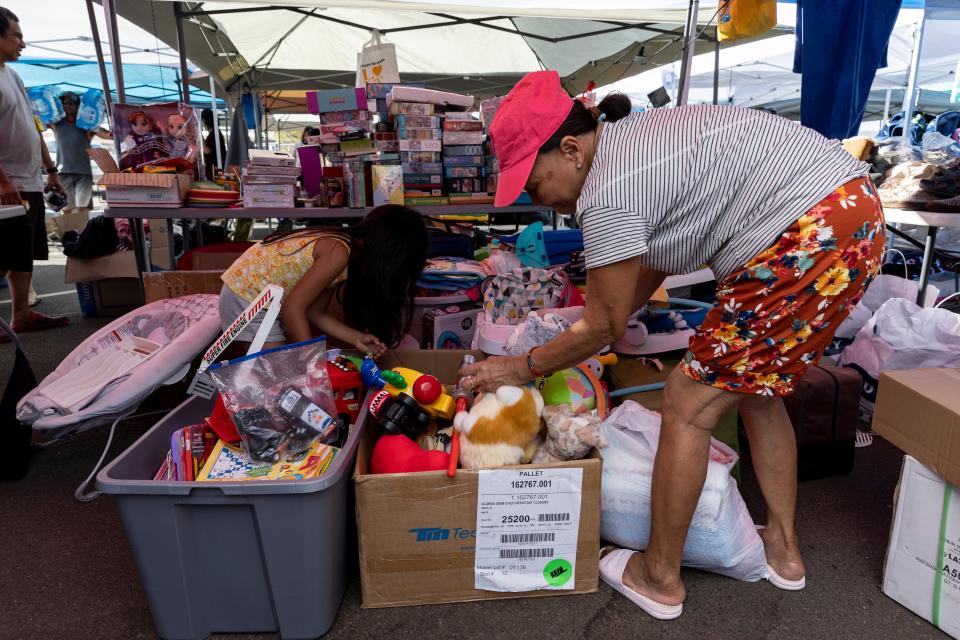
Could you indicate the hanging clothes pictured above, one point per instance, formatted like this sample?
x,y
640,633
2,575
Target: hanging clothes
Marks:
x,y
237,152
840,46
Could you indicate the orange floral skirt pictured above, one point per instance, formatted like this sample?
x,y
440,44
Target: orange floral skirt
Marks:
x,y
774,316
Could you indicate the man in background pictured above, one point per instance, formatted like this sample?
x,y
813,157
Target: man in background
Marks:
x,y
72,145
23,239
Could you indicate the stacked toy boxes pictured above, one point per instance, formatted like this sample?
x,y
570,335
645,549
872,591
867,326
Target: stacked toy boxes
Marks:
x,y
418,116
463,159
270,180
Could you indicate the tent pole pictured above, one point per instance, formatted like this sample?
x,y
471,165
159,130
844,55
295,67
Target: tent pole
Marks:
x,y
113,39
716,70
101,62
909,97
216,123
689,44
182,50
886,108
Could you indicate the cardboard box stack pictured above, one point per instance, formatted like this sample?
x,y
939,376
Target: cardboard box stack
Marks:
x,y
463,159
418,128
919,412
418,116
488,109
270,180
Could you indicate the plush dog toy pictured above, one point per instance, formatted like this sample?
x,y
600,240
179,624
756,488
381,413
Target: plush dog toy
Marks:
x,y
569,436
500,428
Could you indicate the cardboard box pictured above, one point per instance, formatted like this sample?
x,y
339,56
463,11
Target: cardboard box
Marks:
x,y
161,285
919,412
922,568
165,190
109,298
327,100
71,222
122,264
399,565
162,190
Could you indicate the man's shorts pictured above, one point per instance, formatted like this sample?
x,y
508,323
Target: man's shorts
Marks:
x,y
24,239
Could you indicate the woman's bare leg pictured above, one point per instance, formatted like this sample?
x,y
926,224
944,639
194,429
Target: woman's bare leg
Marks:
x,y
773,448
690,412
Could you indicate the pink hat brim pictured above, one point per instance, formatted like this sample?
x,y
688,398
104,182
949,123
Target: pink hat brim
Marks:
x,y
512,181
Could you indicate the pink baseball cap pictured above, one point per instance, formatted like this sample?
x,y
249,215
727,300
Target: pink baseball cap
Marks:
x,y
529,115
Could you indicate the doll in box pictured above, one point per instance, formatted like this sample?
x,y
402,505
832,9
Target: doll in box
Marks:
x,y
142,144
178,137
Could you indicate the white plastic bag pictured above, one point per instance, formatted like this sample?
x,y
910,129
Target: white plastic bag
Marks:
x,y
722,537
377,62
901,335
884,287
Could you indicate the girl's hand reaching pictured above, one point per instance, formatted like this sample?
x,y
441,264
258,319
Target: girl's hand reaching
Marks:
x,y
369,343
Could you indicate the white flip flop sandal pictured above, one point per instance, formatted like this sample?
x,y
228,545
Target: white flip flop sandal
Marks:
x,y
779,581
612,567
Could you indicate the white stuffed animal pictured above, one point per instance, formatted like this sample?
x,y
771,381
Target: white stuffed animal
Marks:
x,y
501,428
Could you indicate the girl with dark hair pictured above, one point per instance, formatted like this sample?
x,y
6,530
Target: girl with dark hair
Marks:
x,y
354,284
793,230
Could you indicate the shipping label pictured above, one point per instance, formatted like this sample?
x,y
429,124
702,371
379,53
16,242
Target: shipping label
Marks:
x,y
528,523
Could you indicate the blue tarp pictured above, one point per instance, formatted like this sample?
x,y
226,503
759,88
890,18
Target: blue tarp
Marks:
x,y
142,82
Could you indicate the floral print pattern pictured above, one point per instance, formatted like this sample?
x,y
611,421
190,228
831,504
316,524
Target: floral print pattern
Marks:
x,y
773,317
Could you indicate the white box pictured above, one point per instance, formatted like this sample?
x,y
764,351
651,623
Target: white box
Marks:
x,y
926,527
450,327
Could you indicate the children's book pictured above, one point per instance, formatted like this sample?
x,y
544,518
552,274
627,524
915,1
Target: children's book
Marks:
x,y
227,463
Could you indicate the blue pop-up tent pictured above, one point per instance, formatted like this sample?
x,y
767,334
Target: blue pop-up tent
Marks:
x,y
143,82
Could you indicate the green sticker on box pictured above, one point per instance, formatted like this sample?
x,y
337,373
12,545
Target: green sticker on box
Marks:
x,y
557,572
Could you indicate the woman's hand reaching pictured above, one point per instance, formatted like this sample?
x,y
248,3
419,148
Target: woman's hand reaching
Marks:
x,y
495,371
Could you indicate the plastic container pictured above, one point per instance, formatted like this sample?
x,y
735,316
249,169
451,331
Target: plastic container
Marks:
x,y
233,557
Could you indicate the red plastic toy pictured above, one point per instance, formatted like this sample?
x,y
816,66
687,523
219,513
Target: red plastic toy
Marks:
x,y
400,454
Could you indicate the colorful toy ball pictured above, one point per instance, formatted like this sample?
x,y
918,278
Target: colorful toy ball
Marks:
x,y
577,387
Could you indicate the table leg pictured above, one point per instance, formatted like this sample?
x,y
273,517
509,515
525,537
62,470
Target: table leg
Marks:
x,y
928,245
171,244
140,247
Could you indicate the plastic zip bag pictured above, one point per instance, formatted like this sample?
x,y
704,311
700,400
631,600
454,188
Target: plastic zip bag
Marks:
x,y
280,400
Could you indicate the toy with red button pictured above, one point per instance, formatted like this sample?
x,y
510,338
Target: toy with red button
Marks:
x,y
424,388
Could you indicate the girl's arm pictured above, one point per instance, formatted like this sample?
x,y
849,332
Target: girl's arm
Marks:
x,y
331,260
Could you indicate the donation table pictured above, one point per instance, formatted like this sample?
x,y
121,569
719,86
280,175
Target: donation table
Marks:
x,y
932,221
138,214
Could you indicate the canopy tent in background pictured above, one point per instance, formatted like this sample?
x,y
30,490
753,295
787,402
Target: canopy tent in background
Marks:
x,y
143,82
760,74
839,47
478,48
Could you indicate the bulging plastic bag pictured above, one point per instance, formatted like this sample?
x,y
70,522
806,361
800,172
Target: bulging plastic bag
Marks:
x,y
884,287
901,335
46,103
93,108
722,537
280,400
940,150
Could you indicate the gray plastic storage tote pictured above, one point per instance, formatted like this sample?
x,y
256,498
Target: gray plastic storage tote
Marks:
x,y
233,557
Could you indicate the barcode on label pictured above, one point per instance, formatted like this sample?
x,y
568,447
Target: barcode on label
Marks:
x,y
525,553
553,517
526,537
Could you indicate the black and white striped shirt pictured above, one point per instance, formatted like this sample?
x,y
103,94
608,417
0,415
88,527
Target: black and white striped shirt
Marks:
x,y
703,184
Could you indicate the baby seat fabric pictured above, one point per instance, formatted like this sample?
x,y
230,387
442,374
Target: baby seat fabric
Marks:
x,y
114,370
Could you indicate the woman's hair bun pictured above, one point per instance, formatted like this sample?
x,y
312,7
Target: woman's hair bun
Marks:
x,y
615,106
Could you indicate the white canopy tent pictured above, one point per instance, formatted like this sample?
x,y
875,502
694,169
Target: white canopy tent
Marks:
x,y
475,47
760,74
